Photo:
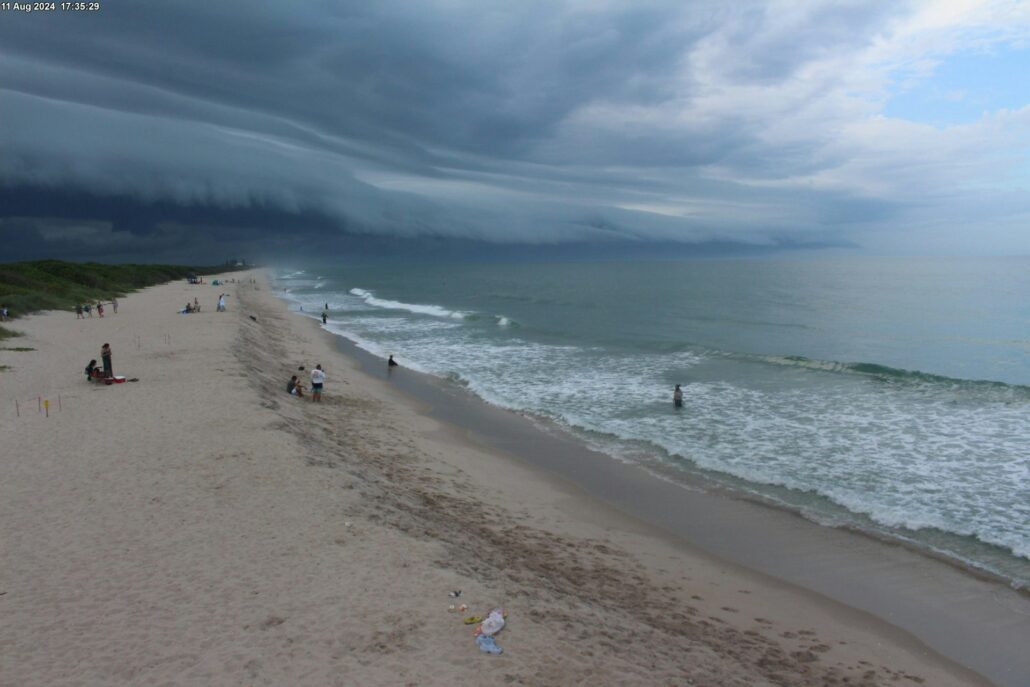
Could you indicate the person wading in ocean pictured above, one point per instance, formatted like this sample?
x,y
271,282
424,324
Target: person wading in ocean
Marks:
x,y
677,397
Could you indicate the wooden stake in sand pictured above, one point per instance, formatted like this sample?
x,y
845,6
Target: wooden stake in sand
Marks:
x,y
17,410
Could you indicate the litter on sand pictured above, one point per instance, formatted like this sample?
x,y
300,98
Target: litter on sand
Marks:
x,y
488,645
494,622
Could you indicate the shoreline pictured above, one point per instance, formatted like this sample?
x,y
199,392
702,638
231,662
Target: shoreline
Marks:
x,y
986,559
427,386
904,591
203,527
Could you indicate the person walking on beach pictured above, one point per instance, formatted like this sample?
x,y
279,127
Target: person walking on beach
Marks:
x,y
78,312
100,308
4,313
88,309
325,318
677,397
114,305
105,355
317,380
221,302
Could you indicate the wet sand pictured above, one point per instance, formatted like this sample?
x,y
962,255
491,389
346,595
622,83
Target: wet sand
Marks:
x,y
974,618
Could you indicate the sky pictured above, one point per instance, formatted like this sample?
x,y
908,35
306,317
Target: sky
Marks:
x,y
193,129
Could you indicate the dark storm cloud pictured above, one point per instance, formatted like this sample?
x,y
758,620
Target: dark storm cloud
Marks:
x,y
540,122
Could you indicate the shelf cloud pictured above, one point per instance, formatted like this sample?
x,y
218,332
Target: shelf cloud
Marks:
x,y
287,125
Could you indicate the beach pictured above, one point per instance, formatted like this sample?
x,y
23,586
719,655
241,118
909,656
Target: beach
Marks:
x,y
201,526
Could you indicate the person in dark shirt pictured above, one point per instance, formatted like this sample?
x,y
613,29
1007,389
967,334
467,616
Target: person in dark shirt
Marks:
x,y
105,355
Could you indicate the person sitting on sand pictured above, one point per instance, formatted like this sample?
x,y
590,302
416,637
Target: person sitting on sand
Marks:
x,y
91,370
294,387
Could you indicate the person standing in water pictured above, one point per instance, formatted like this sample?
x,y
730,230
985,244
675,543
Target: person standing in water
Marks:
x,y
677,397
325,317
391,362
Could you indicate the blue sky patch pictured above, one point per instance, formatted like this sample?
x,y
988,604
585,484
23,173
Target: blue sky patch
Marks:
x,y
964,87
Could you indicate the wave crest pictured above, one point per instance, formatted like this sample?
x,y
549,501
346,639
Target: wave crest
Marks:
x,y
418,308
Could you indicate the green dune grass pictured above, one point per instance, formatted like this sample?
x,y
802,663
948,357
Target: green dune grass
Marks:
x,y
27,287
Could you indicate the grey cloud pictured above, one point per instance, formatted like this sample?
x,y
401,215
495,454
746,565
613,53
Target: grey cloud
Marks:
x,y
503,122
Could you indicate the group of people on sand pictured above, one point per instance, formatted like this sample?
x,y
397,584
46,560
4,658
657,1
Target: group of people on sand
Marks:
x,y
92,372
84,310
295,387
191,307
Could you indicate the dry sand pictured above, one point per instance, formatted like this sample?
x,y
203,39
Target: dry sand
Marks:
x,y
200,526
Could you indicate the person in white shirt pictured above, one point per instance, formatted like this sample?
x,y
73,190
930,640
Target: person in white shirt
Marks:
x,y
317,380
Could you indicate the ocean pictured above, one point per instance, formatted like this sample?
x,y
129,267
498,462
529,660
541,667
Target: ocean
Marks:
x,y
888,395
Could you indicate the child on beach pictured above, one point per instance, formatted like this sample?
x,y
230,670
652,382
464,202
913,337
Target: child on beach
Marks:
x,y
294,387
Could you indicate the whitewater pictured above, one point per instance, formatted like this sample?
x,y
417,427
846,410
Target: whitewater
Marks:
x,y
889,396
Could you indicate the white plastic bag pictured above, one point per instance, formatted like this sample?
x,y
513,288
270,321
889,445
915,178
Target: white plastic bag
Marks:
x,y
493,623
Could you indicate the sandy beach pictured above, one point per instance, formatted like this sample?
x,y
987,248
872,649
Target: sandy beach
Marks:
x,y
200,526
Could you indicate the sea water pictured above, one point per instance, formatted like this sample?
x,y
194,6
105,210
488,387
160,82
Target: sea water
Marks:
x,y
887,395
